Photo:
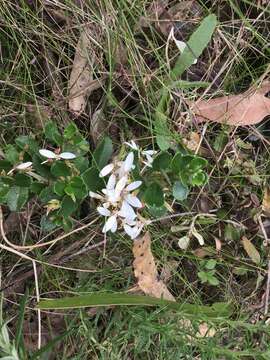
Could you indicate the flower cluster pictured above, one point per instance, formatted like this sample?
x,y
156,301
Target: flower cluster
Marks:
x,y
119,200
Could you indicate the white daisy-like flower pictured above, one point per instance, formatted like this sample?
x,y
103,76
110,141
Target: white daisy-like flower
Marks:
x,y
50,155
23,166
148,154
133,229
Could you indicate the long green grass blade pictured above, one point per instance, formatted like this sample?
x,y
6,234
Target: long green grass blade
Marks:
x,y
109,299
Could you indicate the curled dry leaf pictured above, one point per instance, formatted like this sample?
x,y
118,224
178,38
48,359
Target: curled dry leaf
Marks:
x,y
247,108
266,201
250,249
145,270
81,82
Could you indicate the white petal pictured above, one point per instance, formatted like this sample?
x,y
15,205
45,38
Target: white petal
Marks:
x,y
134,185
106,170
149,159
67,156
121,184
113,196
114,227
24,166
149,152
133,232
133,201
128,163
102,211
111,182
127,211
132,145
48,154
110,224
95,195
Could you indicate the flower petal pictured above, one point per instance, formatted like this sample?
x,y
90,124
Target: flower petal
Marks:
x,y
95,195
127,211
67,156
106,170
102,211
134,231
48,154
121,184
149,152
24,166
134,185
110,224
111,182
128,163
132,145
133,201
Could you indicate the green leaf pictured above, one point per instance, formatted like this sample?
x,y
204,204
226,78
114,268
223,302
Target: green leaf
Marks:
x,y
17,197
68,206
47,224
153,195
103,152
22,180
43,170
4,189
197,163
198,178
70,131
67,224
180,162
163,133
92,180
203,276
47,194
28,144
162,161
195,46
37,187
11,154
59,188
180,191
8,180
213,280
157,211
59,168
52,134
76,188
109,299
5,165
211,264
183,84
81,163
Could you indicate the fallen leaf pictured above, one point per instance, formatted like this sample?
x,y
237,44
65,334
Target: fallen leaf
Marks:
x,y
251,250
168,269
203,252
183,242
193,141
247,108
81,82
205,331
97,126
266,200
145,270
198,236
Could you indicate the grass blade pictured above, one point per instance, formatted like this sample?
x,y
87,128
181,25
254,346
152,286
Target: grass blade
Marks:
x,y
120,299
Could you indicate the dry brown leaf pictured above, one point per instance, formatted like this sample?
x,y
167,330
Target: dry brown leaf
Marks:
x,y
247,108
251,250
203,252
193,141
266,201
145,270
205,331
81,75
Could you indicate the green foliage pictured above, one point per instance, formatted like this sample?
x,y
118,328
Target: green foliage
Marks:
x,y
208,274
59,184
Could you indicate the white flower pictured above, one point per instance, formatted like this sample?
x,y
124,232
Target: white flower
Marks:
x,y
148,154
134,185
51,155
95,195
23,166
127,211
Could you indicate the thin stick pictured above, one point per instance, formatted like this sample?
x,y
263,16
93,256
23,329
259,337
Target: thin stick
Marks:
x,y
31,247
38,298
